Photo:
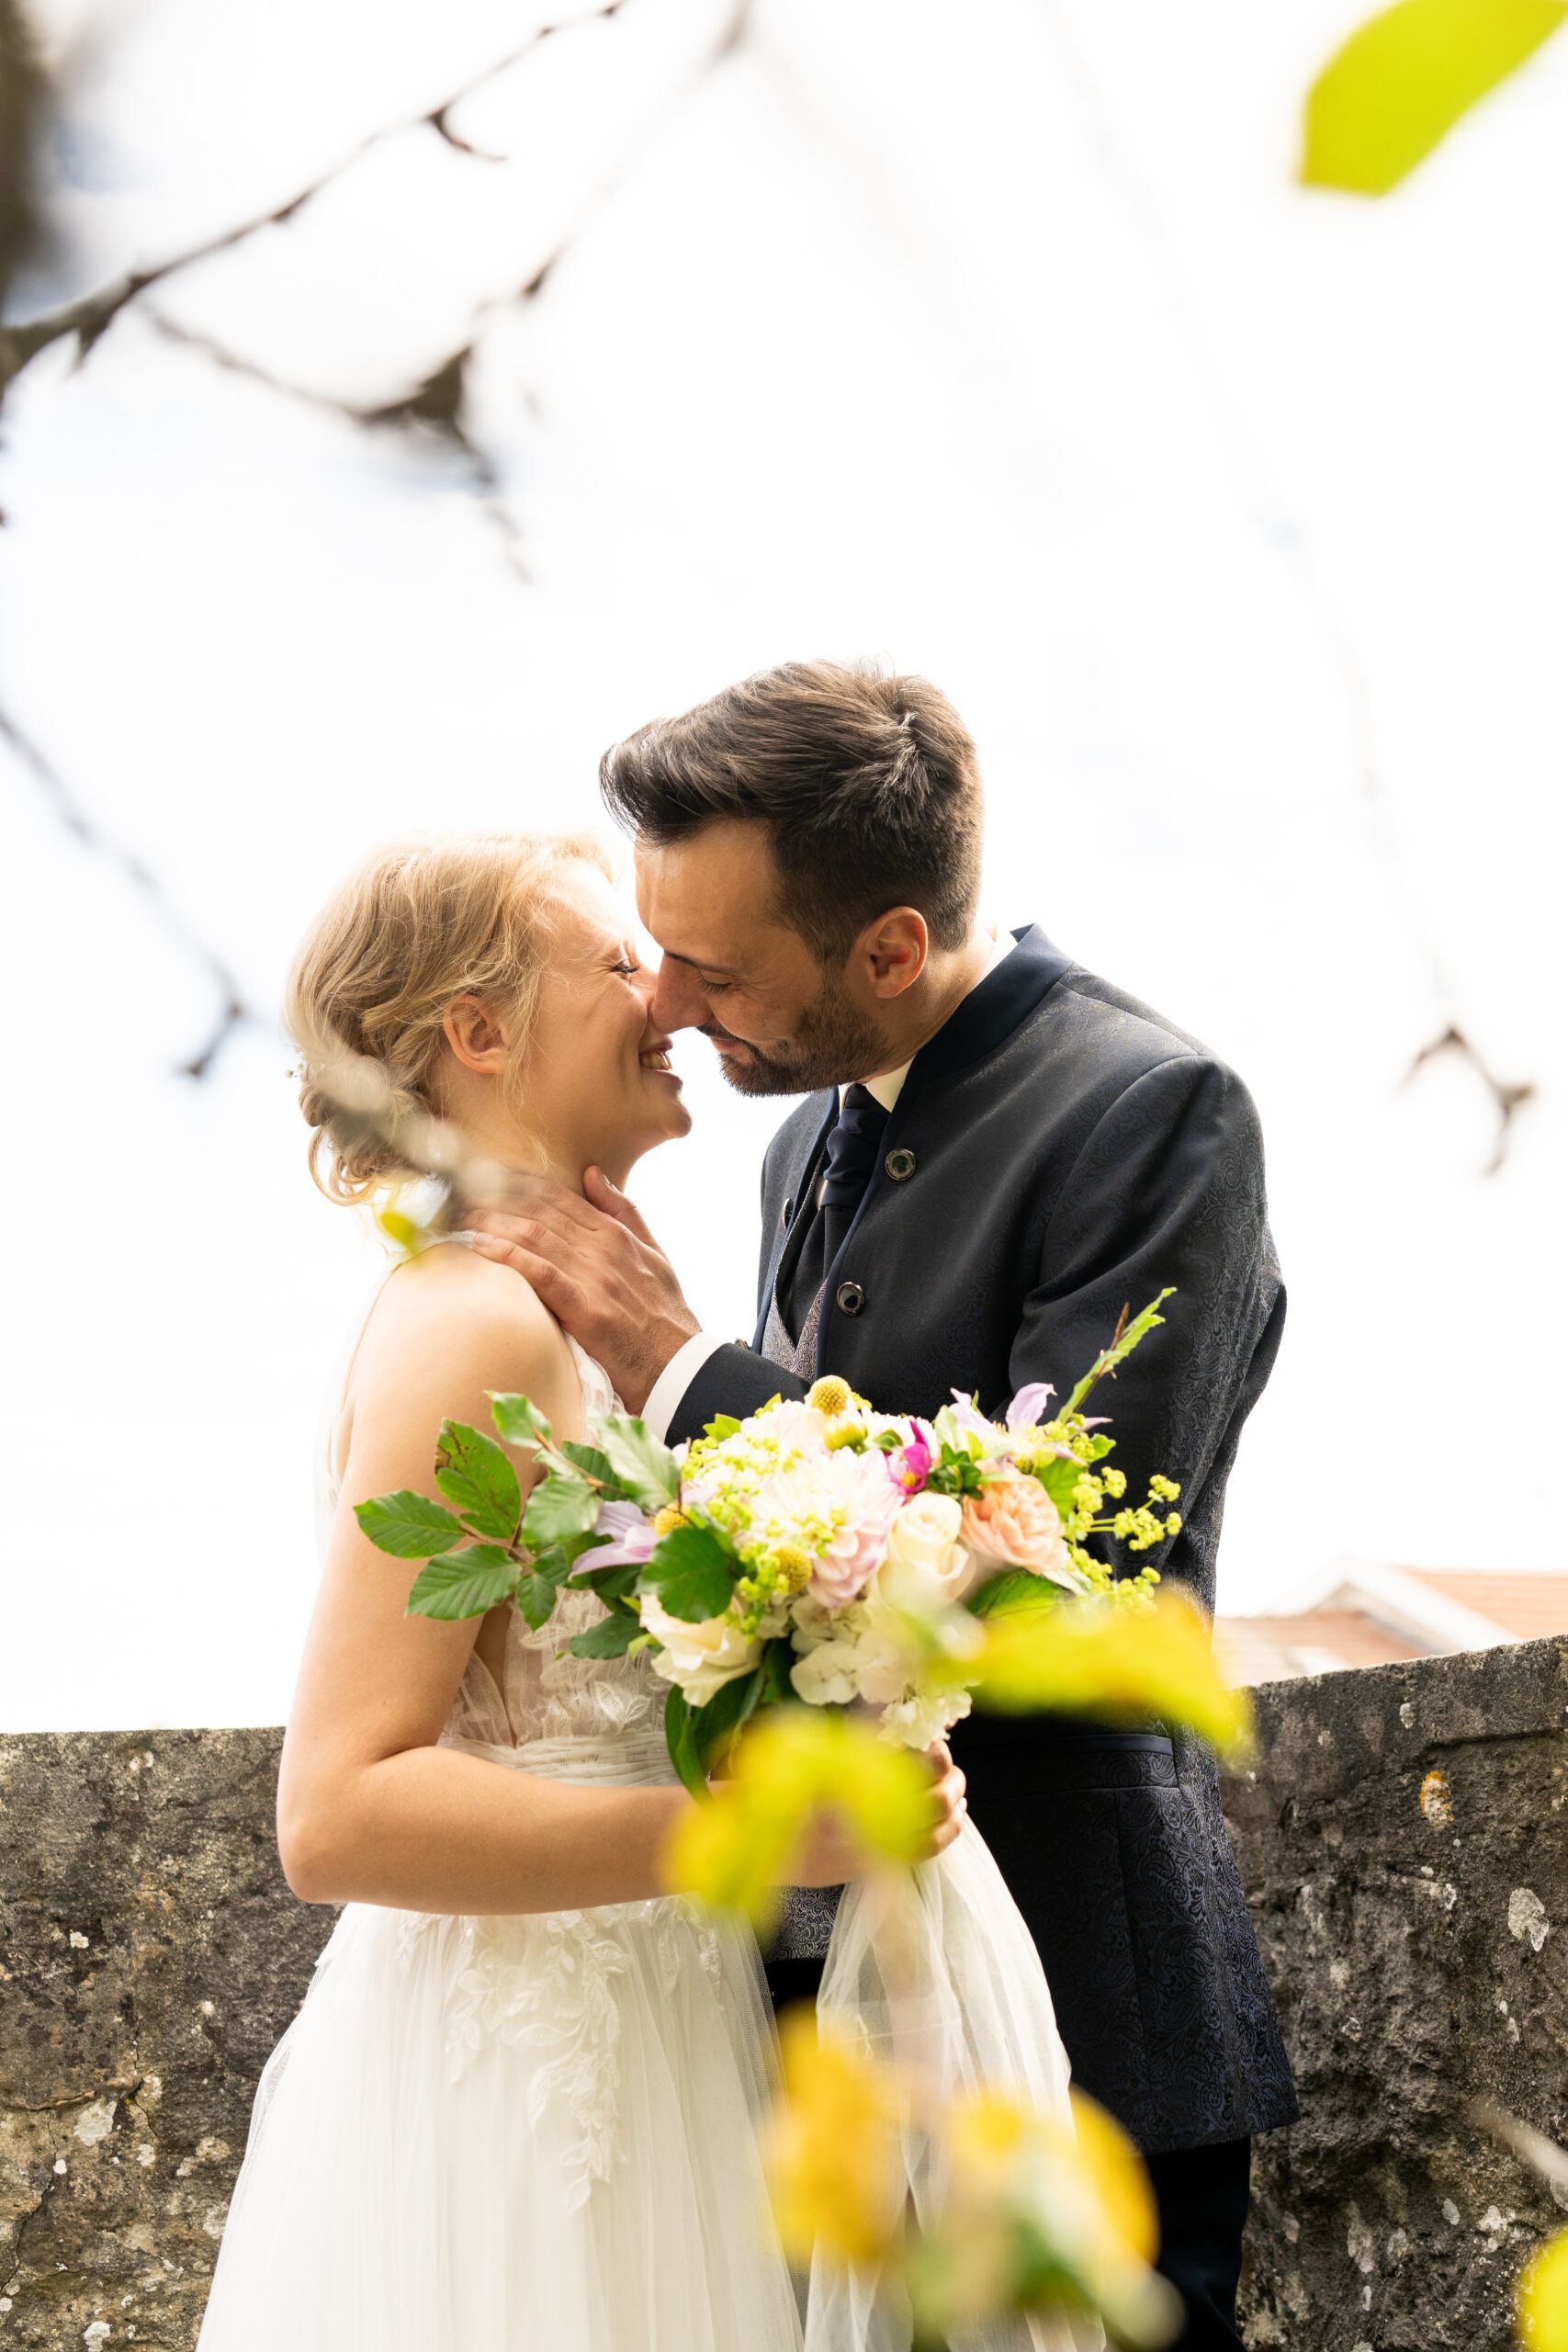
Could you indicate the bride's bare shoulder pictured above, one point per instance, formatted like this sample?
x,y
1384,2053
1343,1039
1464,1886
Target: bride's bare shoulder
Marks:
x,y
460,1322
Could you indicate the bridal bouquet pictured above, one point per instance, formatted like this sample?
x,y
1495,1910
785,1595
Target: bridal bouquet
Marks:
x,y
818,1549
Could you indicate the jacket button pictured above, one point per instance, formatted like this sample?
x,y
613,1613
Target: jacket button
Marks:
x,y
850,1299
901,1166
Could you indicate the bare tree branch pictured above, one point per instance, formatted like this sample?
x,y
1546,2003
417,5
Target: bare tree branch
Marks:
x,y
73,817
90,317
1509,1098
23,95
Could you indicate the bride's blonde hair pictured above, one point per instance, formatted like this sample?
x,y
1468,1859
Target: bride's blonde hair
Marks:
x,y
426,918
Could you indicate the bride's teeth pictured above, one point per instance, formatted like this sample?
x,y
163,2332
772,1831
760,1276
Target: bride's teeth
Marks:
x,y
655,1061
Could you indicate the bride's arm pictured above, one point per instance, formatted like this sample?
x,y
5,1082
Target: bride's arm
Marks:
x,y
369,1809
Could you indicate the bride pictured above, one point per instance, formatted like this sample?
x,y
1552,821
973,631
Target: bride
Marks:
x,y
517,2110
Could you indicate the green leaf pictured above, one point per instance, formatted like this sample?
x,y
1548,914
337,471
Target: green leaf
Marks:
x,y
1120,1348
777,1689
681,1741
692,1573
715,1725
557,1561
463,1584
519,1421
722,1425
1395,90
408,1525
594,1464
1015,1593
611,1638
610,1584
476,1476
1059,1478
646,1468
560,1506
536,1598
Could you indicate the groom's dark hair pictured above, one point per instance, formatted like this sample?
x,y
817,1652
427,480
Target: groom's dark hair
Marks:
x,y
868,783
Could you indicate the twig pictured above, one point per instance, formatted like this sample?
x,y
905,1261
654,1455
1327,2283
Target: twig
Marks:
x,y
90,317
68,811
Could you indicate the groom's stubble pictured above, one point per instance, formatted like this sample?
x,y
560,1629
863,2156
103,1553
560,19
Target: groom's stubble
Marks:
x,y
834,1044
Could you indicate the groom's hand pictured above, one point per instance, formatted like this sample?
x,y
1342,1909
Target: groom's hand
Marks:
x,y
599,1270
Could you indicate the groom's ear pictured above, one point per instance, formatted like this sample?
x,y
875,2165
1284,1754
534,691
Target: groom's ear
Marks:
x,y
891,952
473,1031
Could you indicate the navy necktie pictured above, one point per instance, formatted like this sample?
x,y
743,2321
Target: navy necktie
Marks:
x,y
853,1144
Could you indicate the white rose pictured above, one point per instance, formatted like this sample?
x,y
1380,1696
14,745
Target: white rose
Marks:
x,y
700,1658
926,1567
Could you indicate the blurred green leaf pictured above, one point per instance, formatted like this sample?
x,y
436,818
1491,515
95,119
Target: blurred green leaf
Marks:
x,y
722,1425
463,1584
611,1638
477,1479
408,1525
560,1508
645,1467
692,1573
1398,85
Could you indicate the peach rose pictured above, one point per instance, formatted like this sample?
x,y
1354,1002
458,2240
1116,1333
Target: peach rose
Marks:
x,y
1013,1522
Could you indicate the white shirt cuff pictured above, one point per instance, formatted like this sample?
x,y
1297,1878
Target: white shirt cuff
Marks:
x,y
675,1379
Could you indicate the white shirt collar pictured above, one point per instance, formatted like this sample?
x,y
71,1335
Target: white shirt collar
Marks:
x,y
888,1087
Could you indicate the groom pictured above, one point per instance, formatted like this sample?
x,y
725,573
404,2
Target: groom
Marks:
x,y
997,1153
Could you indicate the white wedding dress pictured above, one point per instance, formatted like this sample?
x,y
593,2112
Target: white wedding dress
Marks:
x,y
538,2132
532,2134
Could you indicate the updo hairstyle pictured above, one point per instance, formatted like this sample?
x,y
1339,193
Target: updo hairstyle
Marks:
x,y
428,918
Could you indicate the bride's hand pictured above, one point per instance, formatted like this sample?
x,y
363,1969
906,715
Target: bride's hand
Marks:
x,y
833,1856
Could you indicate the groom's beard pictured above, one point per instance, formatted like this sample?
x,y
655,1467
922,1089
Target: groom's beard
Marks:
x,y
834,1044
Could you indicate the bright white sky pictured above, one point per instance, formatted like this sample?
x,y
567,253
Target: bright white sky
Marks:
x,y
993,338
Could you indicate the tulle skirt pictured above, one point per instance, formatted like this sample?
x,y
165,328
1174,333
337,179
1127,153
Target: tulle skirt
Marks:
x,y
520,2134
941,1977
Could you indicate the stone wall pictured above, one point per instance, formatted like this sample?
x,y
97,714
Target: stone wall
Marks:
x,y
1402,1844
1400,1838
150,1957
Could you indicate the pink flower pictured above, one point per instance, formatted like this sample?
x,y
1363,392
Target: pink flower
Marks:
x,y
909,1466
865,1502
628,1538
1024,1410
1014,1522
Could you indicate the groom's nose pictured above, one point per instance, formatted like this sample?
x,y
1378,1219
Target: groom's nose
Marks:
x,y
677,1001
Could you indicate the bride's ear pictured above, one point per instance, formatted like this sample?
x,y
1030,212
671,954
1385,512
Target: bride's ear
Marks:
x,y
474,1033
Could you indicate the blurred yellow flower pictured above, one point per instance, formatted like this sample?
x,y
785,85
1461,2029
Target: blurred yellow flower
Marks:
x,y
733,1852
834,2169
1543,2297
1129,1664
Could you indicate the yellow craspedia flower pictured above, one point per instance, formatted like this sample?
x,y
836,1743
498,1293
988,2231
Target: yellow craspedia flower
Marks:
x,y
833,2154
666,1521
1542,2308
831,1396
793,1566
1116,1665
1118,2173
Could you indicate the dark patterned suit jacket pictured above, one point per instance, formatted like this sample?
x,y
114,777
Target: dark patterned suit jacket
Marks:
x,y
1059,1151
